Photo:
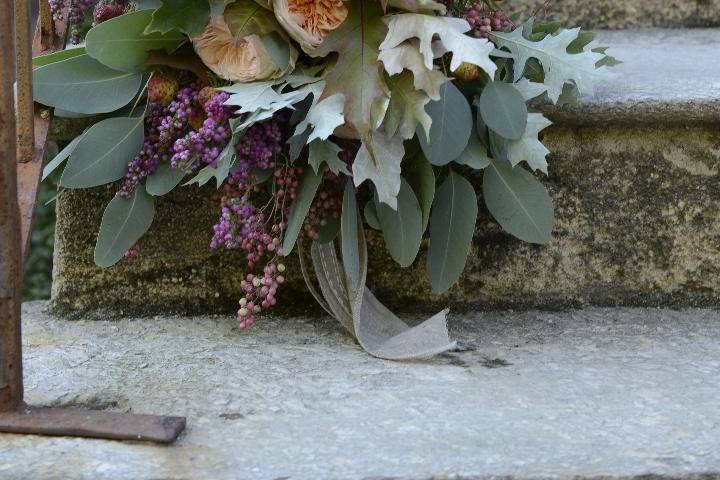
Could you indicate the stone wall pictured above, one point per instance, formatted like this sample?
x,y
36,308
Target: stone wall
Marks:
x,y
637,224
620,14
635,176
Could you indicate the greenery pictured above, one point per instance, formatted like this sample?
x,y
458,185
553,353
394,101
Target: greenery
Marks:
x,y
419,100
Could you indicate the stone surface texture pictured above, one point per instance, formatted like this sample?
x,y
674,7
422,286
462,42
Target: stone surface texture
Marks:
x,y
620,14
581,394
669,76
636,205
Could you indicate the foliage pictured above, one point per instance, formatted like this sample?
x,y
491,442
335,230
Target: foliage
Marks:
x,y
380,122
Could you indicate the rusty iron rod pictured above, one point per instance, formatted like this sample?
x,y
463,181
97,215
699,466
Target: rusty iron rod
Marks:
x,y
11,383
23,70
47,25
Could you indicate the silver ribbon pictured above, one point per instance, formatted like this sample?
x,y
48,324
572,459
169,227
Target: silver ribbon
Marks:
x,y
380,332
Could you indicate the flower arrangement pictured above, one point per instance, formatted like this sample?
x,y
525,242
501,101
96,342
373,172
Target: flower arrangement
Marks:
x,y
317,119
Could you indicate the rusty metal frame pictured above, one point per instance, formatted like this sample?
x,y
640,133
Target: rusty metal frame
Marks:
x,y
23,139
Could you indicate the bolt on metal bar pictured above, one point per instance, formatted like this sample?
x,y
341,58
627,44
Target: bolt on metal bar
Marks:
x,y
11,383
23,55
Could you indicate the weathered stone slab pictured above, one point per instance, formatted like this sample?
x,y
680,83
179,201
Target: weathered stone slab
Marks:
x,y
669,76
614,393
635,183
619,14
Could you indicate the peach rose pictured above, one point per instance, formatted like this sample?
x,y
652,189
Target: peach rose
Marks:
x,y
309,21
238,56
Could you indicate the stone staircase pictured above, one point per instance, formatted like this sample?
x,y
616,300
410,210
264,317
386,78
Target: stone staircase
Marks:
x,y
597,394
618,14
572,393
634,175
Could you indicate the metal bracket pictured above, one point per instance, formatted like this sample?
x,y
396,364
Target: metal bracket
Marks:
x,y
92,424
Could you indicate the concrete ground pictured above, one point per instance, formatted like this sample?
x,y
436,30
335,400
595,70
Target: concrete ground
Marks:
x,y
599,392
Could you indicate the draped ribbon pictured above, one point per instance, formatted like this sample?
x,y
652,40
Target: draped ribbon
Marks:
x,y
380,332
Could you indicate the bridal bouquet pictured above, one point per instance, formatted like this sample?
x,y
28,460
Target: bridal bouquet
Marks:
x,y
316,120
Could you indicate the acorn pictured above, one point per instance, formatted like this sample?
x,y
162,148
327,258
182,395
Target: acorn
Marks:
x,y
162,88
467,72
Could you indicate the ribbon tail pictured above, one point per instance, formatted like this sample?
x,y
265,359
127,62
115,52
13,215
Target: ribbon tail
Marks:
x,y
380,332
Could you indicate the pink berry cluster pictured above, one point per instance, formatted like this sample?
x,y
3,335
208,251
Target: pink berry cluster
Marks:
x,y
187,125
327,204
242,224
184,132
252,215
132,252
260,293
204,144
482,20
84,14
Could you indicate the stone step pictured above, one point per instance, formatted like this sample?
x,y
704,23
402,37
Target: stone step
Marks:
x,y
619,14
634,175
587,394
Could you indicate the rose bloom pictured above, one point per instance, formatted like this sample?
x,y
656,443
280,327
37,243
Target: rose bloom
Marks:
x,y
235,58
309,21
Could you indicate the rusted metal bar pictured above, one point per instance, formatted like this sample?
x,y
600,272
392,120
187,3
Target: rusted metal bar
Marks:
x,y
92,424
46,24
29,173
23,71
28,179
11,383
15,416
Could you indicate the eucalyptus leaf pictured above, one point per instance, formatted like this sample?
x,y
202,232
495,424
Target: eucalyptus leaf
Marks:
x,y
350,237
452,226
402,228
103,153
83,85
297,143
475,155
450,128
63,155
147,4
519,202
329,230
278,48
480,128
504,110
187,16
217,7
59,113
164,180
371,216
261,175
419,174
301,206
58,56
125,220
119,43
